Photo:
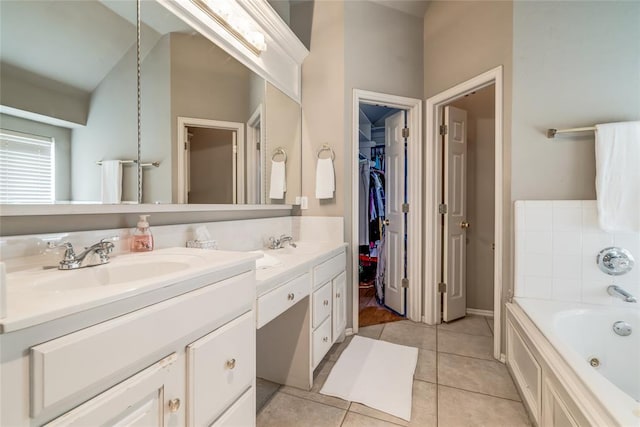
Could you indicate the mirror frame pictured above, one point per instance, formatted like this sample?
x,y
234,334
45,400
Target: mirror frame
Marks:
x,y
280,64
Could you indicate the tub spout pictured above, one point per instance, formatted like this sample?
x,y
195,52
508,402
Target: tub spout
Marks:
x,y
617,291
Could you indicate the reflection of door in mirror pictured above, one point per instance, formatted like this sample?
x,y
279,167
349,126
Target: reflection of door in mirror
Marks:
x,y
68,75
211,165
255,157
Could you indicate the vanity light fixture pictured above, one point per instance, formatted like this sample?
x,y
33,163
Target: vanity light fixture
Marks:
x,y
227,14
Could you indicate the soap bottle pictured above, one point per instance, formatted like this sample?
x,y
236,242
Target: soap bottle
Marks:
x,y
142,240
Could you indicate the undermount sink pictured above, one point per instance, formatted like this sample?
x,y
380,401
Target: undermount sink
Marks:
x,y
106,275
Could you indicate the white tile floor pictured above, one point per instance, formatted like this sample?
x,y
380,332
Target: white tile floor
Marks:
x,y
457,383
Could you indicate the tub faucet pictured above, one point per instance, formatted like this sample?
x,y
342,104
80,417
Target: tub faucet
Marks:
x,y
617,291
71,261
279,242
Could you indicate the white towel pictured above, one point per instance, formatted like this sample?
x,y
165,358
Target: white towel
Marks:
x,y
325,179
618,176
278,185
111,181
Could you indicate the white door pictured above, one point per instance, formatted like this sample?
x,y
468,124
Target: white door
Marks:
x,y
455,225
394,247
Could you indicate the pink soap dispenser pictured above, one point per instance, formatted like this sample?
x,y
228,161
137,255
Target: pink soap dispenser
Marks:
x,y
142,239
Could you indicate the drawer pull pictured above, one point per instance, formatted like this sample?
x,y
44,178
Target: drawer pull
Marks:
x,y
291,296
325,339
230,364
326,302
338,295
174,405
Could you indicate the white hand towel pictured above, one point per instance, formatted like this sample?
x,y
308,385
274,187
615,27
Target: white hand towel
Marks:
x,y
618,176
325,179
278,185
111,181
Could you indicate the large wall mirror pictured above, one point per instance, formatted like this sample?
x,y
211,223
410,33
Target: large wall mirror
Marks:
x,y
211,129
67,99
215,127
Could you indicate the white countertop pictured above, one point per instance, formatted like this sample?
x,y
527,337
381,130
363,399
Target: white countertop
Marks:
x,y
295,261
29,304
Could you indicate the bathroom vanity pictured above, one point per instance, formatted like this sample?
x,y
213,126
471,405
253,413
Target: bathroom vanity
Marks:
x,y
301,311
174,349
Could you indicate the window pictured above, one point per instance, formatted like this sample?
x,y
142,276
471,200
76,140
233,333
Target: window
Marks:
x,y
27,165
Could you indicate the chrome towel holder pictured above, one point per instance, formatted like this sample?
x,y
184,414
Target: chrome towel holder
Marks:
x,y
327,147
277,151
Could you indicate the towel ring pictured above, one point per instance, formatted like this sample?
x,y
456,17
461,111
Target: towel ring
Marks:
x,y
326,147
277,151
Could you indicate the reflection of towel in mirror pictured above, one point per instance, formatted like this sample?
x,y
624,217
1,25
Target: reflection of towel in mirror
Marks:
x,y
111,181
618,176
325,179
278,185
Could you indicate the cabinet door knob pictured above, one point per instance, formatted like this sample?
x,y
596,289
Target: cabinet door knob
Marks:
x,y
325,339
291,296
326,302
338,295
230,364
174,405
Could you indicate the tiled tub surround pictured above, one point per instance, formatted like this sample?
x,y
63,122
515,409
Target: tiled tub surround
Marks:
x,y
556,245
562,317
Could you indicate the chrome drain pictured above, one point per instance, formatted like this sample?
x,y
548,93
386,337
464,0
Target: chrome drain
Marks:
x,y
594,362
622,328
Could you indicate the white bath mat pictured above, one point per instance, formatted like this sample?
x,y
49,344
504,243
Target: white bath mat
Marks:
x,y
375,373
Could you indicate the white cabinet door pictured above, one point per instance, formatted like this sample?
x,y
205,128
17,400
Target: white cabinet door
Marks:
x,y
221,366
153,397
339,285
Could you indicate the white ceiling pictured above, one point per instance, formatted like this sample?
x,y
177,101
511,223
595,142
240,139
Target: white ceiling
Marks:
x,y
412,7
72,42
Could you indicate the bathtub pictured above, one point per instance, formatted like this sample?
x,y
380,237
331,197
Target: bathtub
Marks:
x,y
583,335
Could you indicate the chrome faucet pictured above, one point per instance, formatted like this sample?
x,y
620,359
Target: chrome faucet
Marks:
x,y
278,243
617,291
71,261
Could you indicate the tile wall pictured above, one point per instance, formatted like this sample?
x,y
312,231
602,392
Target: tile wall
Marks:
x,y
556,246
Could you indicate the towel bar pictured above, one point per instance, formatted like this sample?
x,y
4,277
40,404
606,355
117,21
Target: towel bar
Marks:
x,y
129,162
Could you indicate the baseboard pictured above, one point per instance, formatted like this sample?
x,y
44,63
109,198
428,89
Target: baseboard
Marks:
x,y
478,312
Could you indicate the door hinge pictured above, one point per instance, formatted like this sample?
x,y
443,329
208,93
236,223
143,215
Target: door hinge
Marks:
x,y
405,132
258,146
405,207
442,287
442,209
405,282
186,145
443,129
235,149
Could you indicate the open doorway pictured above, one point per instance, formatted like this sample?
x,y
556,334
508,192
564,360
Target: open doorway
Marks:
x,y
211,161
382,226
397,232
468,228
447,222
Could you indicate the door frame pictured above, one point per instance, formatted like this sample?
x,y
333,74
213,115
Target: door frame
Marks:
x,y
181,168
414,197
433,196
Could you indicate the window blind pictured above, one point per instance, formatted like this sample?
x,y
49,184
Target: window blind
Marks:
x,y
27,165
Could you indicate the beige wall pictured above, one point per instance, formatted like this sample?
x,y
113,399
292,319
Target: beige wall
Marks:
x,y
575,64
211,166
480,108
111,133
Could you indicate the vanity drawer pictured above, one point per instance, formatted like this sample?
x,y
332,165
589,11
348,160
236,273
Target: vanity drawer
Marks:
x,y
83,363
220,367
279,300
321,342
329,269
321,304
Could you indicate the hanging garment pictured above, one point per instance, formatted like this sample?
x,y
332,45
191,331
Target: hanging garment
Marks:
x,y
363,203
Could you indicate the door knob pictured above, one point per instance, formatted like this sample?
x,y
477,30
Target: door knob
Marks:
x,y
174,405
386,222
464,224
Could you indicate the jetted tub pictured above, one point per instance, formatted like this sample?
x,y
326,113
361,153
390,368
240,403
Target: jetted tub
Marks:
x,y
607,364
